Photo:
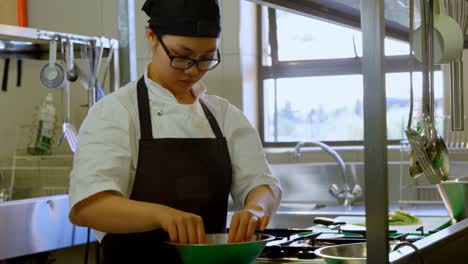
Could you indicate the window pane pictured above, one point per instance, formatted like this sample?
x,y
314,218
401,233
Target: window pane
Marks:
x,y
318,39
266,48
398,86
396,47
315,40
324,108
330,108
269,120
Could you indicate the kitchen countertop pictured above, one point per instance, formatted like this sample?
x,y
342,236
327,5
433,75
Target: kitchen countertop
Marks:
x,y
301,215
417,209
423,209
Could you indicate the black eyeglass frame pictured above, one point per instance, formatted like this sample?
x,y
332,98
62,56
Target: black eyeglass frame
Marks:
x,y
193,61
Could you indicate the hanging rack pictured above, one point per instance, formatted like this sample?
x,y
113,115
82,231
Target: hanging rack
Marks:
x,y
36,36
32,43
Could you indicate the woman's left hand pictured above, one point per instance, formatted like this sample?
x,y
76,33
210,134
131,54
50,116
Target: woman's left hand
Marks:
x,y
244,223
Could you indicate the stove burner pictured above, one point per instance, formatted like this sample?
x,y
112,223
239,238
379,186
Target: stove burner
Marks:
x,y
302,244
306,254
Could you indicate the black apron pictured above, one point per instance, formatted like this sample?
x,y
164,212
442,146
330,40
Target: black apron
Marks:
x,y
189,174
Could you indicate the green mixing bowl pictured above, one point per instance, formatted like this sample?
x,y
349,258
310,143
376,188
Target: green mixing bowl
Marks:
x,y
217,250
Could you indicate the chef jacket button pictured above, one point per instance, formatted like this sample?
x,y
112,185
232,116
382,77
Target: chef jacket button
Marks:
x,y
160,113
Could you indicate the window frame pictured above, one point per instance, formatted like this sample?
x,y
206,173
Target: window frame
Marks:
x,y
312,68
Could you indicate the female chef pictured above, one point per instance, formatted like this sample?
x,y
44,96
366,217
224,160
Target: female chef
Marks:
x,y
157,159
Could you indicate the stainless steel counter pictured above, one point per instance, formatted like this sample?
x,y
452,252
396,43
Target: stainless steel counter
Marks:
x,y
41,224
37,225
423,209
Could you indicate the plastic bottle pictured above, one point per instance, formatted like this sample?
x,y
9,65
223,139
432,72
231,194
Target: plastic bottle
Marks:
x,y
44,127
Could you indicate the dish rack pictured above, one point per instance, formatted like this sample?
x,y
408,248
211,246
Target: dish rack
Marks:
x,y
33,176
38,176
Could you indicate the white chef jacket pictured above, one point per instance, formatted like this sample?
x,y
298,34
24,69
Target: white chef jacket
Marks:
x,y
107,152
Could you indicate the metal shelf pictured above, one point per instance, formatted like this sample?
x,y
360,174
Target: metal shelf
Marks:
x,y
32,43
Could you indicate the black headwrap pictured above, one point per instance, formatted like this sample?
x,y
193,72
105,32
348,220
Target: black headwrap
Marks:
x,y
191,18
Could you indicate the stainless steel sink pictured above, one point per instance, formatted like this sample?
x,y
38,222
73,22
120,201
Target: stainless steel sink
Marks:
x,y
298,207
291,215
286,220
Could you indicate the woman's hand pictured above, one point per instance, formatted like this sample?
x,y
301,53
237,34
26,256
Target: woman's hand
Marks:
x,y
244,223
183,227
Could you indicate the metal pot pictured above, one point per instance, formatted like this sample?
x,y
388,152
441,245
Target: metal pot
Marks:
x,y
346,254
454,193
218,250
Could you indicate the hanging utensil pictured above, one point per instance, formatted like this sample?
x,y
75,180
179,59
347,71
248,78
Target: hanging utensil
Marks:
x,y
458,10
429,156
435,148
72,76
69,130
52,74
419,162
447,35
108,63
19,72
86,65
96,59
439,152
84,73
5,75
70,133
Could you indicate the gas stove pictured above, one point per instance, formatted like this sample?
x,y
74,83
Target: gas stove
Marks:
x,y
298,245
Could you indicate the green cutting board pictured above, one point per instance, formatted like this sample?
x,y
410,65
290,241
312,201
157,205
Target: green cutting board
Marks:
x,y
429,223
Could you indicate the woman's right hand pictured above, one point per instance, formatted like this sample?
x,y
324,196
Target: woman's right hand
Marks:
x,y
183,227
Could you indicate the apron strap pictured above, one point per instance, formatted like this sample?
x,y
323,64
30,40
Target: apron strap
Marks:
x,y
212,120
144,110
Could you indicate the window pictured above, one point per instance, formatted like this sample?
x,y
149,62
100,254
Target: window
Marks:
x,y
313,86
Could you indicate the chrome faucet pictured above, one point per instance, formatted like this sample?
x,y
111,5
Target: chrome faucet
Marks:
x,y
345,195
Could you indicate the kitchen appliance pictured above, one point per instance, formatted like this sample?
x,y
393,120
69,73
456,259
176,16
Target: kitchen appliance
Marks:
x,y
304,250
300,245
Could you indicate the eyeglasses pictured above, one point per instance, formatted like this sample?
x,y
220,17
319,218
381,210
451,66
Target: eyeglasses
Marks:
x,y
184,63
